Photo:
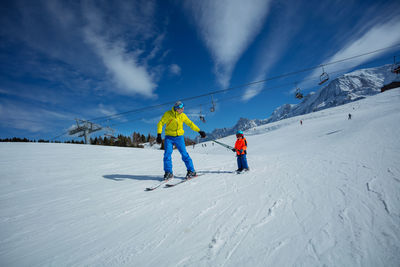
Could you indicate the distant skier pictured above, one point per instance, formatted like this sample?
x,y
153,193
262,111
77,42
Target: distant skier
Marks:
x,y
174,120
241,151
301,122
349,118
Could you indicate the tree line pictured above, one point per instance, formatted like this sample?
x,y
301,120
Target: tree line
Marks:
x,y
135,140
26,140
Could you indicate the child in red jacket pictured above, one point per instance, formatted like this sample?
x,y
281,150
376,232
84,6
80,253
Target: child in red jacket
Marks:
x,y
240,149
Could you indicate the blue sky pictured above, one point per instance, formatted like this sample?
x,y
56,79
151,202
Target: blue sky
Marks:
x,y
61,60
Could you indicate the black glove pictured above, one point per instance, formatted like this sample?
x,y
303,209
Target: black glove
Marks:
x,y
159,139
202,134
234,149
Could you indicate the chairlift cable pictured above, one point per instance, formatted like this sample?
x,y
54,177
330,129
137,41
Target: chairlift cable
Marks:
x,y
246,84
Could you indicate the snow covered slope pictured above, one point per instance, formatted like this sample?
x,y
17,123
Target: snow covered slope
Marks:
x,y
325,193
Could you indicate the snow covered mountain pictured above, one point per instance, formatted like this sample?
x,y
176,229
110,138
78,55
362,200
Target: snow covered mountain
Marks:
x,y
350,87
347,88
242,124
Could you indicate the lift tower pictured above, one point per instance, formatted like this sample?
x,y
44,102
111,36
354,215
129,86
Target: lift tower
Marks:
x,y
84,128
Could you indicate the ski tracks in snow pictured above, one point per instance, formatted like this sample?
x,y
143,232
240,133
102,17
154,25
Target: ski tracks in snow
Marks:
x,y
230,220
228,238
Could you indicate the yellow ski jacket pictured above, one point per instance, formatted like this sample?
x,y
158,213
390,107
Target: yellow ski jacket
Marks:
x,y
174,122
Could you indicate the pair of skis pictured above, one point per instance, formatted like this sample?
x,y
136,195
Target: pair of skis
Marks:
x,y
157,186
165,182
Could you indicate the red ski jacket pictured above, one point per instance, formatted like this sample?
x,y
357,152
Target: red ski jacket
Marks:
x,y
241,146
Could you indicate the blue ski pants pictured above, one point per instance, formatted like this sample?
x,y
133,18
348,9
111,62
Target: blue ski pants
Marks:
x,y
179,142
242,162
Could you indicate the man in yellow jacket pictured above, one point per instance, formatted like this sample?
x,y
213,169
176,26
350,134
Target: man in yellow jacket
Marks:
x,y
174,120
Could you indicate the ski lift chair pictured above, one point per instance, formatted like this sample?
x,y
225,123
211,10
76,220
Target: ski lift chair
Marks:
x,y
212,109
201,116
324,77
298,94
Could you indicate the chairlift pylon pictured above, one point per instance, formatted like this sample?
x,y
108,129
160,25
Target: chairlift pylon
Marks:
x,y
324,77
84,128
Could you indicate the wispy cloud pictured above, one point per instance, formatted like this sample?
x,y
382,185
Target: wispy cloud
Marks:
x,y
27,118
174,69
129,73
108,111
130,77
254,90
228,27
151,120
35,119
379,36
274,45
157,46
109,42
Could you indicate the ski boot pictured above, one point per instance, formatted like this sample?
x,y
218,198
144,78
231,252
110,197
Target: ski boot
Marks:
x,y
191,174
168,176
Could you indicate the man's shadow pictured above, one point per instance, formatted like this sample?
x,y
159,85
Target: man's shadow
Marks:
x,y
121,177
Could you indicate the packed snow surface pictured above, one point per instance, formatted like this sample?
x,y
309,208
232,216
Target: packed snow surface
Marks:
x,y
325,193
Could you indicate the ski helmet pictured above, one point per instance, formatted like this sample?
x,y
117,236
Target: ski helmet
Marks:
x,y
178,105
239,134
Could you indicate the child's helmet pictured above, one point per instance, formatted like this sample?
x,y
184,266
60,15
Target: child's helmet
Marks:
x,y
239,134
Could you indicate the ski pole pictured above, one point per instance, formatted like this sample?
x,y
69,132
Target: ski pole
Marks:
x,y
224,145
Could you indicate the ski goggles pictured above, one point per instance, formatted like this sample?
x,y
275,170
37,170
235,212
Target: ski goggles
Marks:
x,y
179,106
